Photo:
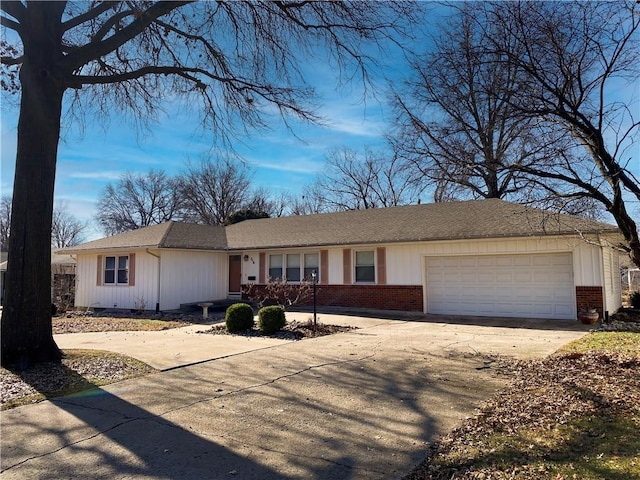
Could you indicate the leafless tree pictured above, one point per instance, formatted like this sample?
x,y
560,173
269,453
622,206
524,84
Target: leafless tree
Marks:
x,y
279,292
577,63
212,190
230,61
5,222
454,119
138,200
355,181
66,229
272,203
311,201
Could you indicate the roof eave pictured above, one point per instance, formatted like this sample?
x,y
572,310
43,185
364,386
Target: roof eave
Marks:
x,y
72,251
430,239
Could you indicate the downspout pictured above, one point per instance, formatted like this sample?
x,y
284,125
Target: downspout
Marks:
x,y
158,286
605,312
75,277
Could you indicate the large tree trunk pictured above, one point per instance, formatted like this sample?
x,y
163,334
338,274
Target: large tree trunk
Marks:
x,y
27,336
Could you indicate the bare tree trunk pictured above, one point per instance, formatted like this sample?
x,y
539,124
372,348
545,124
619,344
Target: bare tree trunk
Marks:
x,y
27,336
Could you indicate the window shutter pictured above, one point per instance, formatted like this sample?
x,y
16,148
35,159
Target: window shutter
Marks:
x,y
324,267
99,270
346,266
381,265
132,269
262,268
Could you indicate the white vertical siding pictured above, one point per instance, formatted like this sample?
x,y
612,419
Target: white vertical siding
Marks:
x,y
192,276
250,267
335,266
89,294
186,276
587,265
612,285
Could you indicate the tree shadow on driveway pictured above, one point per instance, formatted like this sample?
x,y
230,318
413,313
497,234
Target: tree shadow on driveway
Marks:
x,y
342,412
96,434
347,406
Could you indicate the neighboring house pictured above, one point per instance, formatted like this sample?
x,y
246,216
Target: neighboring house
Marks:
x,y
486,258
630,275
63,269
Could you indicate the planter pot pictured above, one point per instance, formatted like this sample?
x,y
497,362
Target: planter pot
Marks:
x,y
589,317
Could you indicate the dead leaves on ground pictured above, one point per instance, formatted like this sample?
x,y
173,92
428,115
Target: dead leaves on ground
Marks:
x,y
568,416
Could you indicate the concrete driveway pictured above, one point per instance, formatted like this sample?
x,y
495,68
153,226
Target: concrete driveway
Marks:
x,y
362,404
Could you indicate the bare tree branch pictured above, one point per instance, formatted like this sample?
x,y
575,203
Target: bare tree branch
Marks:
x,y
17,10
143,19
137,201
87,16
7,22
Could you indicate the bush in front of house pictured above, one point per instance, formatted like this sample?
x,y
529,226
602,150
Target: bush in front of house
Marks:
x,y
239,317
271,319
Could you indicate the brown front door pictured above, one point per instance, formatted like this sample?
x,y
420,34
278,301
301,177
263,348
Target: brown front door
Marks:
x,y
235,273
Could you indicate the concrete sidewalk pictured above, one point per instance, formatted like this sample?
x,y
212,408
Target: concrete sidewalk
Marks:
x,y
362,404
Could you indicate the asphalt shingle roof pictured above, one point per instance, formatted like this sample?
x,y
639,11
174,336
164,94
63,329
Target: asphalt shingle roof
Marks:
x,y
428,222
164,235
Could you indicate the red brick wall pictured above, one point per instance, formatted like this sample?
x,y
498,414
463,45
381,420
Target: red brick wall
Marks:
x,y
590,297
383,297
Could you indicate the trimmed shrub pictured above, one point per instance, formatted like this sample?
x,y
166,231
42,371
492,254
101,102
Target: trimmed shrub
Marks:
x,y
238,317
271,319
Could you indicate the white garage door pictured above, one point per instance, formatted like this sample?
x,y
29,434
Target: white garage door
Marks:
x,y
535,286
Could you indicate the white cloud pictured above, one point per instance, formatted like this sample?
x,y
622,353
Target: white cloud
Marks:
x,y
302,165
97,175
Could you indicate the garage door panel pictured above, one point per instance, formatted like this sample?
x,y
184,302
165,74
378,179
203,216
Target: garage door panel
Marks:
x,y
523,277
469,276
484,261
522,261
564,293
504,277
536,285
503,261
564,311
486,277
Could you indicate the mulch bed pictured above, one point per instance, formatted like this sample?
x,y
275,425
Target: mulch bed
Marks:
x,y
291,331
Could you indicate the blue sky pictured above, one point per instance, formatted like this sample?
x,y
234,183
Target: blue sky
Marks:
x,y
88,161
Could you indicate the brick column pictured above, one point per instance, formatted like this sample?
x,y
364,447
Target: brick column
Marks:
x,y
590,297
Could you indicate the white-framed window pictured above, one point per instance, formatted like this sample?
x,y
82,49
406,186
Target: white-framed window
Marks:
x,y
365,266
116,270
311,264
293,267
275,267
